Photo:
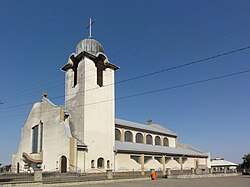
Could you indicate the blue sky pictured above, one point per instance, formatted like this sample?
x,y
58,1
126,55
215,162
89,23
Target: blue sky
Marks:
x,y
36,39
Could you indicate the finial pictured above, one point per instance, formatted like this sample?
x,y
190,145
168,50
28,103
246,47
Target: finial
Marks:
x,y
44,94
90,27
150,121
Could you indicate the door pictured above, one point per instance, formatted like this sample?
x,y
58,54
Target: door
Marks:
x,y
63,164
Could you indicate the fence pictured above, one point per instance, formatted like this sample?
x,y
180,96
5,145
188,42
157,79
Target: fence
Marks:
x,y
180,172
16,177
92,175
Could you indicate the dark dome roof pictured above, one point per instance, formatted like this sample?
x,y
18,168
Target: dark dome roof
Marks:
x,y
89,45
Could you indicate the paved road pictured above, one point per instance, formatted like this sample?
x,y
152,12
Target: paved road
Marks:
x,y
239,181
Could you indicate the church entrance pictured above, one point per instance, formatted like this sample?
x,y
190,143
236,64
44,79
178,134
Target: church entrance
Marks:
x,y
63,164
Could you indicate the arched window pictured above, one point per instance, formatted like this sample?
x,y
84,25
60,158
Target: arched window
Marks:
x,y
157,140
100,163
165,142
117,134
139,138
108,164
128,136
63,164
149,139
92,164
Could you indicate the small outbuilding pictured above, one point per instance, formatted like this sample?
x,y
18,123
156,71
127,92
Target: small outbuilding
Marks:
x,y
221,165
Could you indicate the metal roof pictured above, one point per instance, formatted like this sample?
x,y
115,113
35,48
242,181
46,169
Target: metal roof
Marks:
x,y
152,127
215,163
130,147
89,45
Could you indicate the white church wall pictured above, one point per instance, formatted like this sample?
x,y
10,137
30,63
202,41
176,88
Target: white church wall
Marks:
x,y
123,162
74,102
202,162
99,117
173,164
153,164
188,164
81,161
69,85
55,142
25,143
208,160
172,141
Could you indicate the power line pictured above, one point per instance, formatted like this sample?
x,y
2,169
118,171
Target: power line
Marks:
x,y
183,65
60,85
148,74
22,93
150,92
132,47
187,84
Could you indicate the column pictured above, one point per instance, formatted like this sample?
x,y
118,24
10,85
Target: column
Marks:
x,y
163,161
161,140
181,163
122,135
144,138
142,164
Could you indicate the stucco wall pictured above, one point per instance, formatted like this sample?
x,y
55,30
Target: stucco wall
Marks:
x,y
124,162
173,164
189,163
153,164
55,140
99,117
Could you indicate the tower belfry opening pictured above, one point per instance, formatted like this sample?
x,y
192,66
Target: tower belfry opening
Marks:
x,y
99,77
75,66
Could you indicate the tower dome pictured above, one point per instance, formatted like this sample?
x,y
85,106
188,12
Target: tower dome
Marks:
x,y
89,45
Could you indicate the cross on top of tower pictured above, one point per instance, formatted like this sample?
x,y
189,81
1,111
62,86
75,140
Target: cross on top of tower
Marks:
x,y
90,27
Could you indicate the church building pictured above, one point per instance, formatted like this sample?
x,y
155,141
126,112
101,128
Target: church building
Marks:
x,y
84,135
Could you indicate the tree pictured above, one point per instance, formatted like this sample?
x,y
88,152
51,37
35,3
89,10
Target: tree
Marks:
x,y
246,161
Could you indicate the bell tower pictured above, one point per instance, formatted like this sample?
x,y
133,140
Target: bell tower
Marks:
x,y
90,101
